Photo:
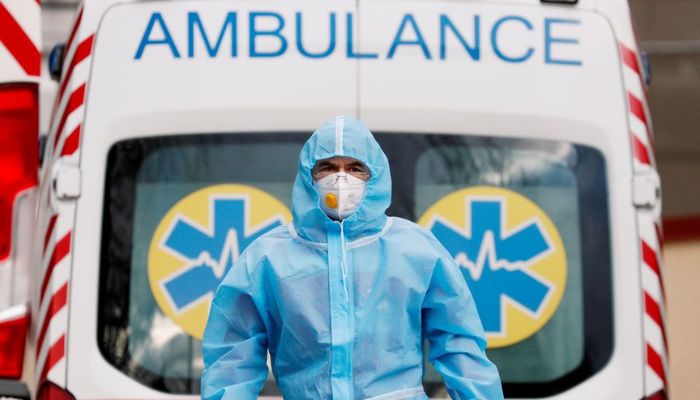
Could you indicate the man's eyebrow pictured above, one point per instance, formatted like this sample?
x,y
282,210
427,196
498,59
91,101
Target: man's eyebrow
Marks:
x,y
358,164
322,163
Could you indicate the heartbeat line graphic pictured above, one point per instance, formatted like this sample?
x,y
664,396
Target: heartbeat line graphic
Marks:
x,y
486,256
229,254
496,261
208,252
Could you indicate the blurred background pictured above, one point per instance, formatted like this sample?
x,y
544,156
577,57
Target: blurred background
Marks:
x,y
669,32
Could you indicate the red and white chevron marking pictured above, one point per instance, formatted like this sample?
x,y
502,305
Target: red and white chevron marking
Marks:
x,y
651,240
638,110
68,110
656,346
56,221
20,40
52,297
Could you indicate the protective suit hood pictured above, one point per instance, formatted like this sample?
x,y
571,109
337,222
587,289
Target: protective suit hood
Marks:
x,y
341,136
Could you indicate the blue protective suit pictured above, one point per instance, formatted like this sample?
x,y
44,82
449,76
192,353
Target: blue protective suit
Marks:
x,y
343,307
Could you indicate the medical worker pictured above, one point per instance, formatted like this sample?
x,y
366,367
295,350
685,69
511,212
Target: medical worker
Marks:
x,y
343,298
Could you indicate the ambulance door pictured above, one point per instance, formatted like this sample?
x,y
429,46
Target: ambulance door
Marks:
x,y
196,112
505,127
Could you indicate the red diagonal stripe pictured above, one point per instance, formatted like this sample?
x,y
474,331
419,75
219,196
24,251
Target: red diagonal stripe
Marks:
x,y
649,257
77,98
81,53
55,354
629,57
49,231
636,107
59,252
656,363
18,43
72,142
653,310
58,301
641,153
73,31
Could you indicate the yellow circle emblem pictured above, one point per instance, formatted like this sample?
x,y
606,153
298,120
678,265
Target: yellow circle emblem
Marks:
x,y
510,253
198,240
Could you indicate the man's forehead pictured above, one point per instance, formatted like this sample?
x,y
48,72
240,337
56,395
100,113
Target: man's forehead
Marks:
x,y
340,160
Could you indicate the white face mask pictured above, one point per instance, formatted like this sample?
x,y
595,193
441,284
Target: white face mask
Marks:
x,y
340,194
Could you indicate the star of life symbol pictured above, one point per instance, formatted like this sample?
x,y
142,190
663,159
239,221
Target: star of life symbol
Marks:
x,y
208,252
496,260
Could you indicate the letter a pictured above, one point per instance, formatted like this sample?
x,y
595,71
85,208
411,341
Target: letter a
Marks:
x,y
146,39
398,39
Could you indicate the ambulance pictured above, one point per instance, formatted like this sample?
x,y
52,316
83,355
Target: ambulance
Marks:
x,y
517,131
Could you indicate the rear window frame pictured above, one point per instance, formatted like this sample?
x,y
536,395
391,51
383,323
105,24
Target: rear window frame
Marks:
x,y
597,322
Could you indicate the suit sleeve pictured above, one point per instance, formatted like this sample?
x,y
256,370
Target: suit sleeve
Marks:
x,y
456,337
235,340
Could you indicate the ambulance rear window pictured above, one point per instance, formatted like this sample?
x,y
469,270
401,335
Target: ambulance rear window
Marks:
x,y
526,220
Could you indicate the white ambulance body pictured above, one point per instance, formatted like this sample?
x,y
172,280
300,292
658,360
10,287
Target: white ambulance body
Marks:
x,y
517,132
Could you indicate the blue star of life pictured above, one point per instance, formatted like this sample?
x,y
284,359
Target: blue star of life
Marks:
x,y
208,252
494,262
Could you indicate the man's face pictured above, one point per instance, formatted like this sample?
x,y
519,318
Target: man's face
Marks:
x,y
349,165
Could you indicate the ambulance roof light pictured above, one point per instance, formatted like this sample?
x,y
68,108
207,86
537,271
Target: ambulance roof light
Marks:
x,y
56,61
